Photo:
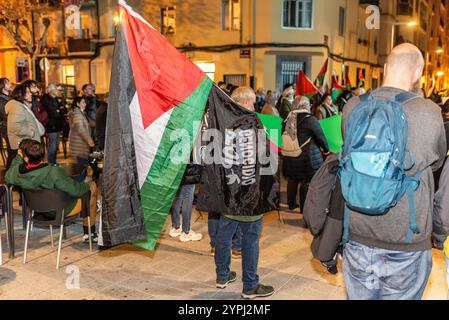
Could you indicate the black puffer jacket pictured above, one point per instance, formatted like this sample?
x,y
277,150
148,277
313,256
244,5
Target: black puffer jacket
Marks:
x,y
3,100
55,114
305,166
192,175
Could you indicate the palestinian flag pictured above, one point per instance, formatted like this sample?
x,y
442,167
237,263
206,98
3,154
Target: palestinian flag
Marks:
x,y
336,89
273,127
348,83
332,131
305,87
157,101
361,79
320,81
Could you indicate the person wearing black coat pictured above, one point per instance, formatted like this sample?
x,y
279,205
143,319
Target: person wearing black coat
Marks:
x,y
55,121
300,170
100,124
323,213
5,88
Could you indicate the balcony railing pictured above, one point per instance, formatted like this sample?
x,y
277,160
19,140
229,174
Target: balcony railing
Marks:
x,y
369,2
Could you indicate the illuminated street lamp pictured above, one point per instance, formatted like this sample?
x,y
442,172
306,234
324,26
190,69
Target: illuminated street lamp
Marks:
x,y
439,51
409,24
116,19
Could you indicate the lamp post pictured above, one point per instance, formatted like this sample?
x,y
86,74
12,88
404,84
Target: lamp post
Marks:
x,y
393,29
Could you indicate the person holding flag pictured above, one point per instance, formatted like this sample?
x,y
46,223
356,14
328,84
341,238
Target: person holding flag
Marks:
x,y
250,225
327,108
321,80
361,79
288,95
157,100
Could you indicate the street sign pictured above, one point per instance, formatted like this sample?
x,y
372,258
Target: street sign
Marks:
x,y
245,53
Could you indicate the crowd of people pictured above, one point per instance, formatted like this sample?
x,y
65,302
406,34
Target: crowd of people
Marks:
x,y
385,256
32,128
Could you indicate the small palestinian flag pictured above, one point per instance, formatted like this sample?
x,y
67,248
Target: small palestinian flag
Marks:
x,y
348,83
305,87
336,89
320,82
361,79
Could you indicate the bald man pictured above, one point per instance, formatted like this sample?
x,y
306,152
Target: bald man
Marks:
x,y
250,226
245,97
378,262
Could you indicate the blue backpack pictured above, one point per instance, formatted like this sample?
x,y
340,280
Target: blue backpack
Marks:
x,y
372,163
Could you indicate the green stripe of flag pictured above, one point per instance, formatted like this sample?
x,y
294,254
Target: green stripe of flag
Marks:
x,y
332,130
273,126
163,180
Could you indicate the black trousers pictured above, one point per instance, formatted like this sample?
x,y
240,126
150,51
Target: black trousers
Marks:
x,y
11,155
292,192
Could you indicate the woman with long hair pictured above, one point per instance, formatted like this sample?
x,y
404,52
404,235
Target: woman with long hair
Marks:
x,y
21,121
80,140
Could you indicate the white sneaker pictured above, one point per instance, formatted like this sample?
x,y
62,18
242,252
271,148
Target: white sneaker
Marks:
x,y
191,236
174,233
99,207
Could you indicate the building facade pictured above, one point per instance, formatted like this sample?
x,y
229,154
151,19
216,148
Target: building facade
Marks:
x,y
261,43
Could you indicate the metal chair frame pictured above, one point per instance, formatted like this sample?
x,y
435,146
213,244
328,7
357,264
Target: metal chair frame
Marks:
x,y
59,219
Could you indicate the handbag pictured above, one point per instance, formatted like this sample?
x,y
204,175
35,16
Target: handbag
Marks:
x,y
290,146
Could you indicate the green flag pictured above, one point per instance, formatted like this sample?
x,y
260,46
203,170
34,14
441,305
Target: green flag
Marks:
x,y
273,126
332,131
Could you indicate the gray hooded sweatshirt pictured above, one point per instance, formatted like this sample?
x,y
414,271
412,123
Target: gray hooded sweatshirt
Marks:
x,y
427,143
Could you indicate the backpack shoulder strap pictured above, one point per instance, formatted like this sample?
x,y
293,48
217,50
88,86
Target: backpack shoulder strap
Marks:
x,y
365,97
304,119
405,97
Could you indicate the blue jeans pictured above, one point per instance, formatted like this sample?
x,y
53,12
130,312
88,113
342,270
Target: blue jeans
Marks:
x,y
53,146
184,201
213,222
379,274
84,162
250,250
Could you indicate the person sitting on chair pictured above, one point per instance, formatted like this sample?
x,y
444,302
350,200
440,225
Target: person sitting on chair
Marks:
x,y
31,172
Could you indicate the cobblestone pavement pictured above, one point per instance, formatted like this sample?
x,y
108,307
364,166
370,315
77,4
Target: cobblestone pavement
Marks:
x,y
174,270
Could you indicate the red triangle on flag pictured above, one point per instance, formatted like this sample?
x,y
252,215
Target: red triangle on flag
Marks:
x,y
304,86
335,84
164,77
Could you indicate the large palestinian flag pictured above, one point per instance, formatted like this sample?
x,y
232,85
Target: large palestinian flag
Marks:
x,y
157,101
156,97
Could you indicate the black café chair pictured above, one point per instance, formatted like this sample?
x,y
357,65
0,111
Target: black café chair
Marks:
x,y
44,201
5,209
